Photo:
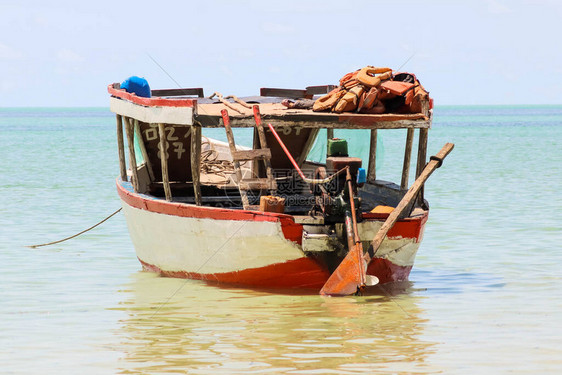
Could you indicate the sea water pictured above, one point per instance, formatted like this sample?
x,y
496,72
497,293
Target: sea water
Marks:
x,y
484,295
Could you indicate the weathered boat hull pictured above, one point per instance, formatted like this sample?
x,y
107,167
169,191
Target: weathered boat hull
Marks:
x,y
249,248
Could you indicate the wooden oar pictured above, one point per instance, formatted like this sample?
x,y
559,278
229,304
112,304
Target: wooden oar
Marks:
x,y
344,280
351,275
351,272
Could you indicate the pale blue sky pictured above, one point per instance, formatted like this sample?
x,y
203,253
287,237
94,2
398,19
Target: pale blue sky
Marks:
x,y
64,53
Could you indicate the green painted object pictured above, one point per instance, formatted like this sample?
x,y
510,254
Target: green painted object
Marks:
x,y
337,147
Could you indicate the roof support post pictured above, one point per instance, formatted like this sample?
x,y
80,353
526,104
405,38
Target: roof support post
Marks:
x,y
121,148
407,157
164,161
132,156
196,161
422,157
372,171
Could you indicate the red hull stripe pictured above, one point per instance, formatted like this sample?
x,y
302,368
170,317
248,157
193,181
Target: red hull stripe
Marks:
x,y
150,102
303,273
407,228
291,230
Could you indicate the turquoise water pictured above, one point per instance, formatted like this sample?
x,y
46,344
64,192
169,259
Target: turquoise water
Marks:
x,y
484,296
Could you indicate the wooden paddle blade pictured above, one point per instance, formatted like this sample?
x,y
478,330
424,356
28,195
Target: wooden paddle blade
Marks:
x,y
346,279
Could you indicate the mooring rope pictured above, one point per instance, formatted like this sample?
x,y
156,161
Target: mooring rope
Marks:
x,y
211,164
77,234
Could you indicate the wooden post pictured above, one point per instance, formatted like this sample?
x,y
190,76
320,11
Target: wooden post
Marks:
x,y
407,157
132,157
236,163
263,144
164,162
196,161
330,133
372,172
422,157
143,151
422,151
121,148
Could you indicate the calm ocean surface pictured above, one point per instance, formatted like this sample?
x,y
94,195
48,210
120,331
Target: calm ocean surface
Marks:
x,y
485,295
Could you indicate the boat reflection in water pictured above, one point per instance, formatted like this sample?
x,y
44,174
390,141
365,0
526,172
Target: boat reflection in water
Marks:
x,y
176,325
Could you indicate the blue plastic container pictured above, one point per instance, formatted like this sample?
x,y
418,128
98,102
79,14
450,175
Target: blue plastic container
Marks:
x,y
137,85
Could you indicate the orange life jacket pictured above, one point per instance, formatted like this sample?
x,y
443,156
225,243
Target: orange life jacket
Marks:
x,y
354,92
412,90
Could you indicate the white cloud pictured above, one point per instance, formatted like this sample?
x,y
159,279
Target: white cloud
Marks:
x,y
495,7
7,86
9,53
274,69
277,28
69,56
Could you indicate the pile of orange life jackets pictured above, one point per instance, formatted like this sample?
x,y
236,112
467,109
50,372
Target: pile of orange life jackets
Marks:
x,y
375,90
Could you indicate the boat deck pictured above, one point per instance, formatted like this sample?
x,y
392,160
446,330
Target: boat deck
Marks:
x,y
208,114
189,110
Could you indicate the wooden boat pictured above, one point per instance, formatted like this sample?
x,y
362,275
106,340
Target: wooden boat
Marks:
x,y
188,219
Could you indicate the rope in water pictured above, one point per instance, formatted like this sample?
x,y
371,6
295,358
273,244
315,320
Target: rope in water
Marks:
x,y
209,165
77,234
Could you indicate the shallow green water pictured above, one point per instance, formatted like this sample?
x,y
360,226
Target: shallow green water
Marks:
x,y
484,296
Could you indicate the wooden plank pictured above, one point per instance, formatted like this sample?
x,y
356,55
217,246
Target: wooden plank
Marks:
x,y
329,121
152,115
121,148
279,110
283,93
319,90
143,151
164,161
179,92
227,104
256,184
209,116
264,153
175,184
372,170
407,157
132,157
150,102
196,162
